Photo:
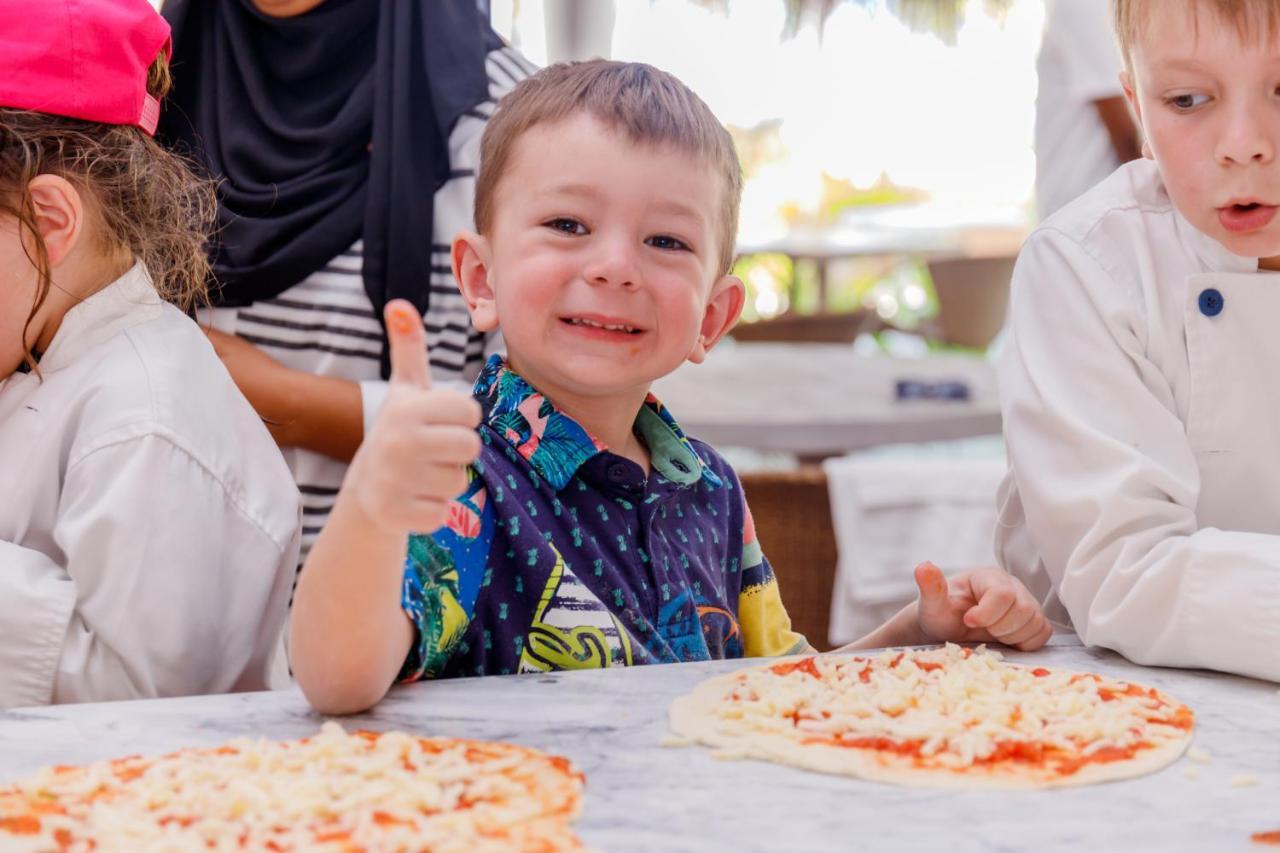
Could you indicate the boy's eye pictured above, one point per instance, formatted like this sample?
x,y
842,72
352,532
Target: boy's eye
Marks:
x,y
565,225
668,243
1186,102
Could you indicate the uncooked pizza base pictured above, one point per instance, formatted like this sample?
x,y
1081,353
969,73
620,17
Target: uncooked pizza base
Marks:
x,y
334,791
698,717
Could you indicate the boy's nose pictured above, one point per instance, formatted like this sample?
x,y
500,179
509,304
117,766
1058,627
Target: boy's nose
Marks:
x,y
1249,139
612,264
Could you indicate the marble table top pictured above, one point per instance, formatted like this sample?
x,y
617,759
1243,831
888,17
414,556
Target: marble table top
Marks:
x,y
642,796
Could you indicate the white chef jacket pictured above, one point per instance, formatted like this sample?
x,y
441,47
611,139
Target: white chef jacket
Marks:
x,y
1079,63
1141,397
148,525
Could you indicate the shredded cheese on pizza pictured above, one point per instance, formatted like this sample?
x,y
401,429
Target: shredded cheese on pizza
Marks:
x,y
334,791
950,709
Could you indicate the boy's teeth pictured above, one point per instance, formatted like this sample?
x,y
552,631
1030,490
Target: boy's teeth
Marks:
x,y
579,321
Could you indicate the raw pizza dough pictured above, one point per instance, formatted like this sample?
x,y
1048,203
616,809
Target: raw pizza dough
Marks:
x,y
939,718
332,792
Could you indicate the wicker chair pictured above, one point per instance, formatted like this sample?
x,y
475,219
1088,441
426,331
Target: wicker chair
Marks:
x,y
792,512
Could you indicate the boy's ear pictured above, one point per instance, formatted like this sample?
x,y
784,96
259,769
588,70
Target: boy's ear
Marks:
x,y
1131,95
728,295
471,265
58,212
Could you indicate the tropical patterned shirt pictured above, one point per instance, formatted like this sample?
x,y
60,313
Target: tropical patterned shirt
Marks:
x,y
564,555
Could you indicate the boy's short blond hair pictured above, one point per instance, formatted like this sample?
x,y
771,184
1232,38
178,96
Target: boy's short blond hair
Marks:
x,y
647,105
1253,19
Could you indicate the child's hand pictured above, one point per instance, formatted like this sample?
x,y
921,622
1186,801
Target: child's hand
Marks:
x,y
980,605
413,461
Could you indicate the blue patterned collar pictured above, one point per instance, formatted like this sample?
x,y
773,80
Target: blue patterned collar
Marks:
x,y
557,446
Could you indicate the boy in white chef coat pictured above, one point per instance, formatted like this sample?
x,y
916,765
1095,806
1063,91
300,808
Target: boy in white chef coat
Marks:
x,y
1139,386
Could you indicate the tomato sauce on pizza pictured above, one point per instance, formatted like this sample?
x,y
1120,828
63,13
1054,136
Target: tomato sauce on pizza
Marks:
x,y
949,717
365,791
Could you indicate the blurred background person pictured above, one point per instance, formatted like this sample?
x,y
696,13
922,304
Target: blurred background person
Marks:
x,y
344,135
1084,129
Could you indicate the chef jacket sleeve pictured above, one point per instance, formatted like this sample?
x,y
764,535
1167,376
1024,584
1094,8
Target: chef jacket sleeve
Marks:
x,y
159,580
1108,481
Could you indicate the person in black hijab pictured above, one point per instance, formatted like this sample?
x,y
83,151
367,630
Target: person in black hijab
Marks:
x,y
324,127
330,126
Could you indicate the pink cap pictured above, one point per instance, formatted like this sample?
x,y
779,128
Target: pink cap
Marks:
x,y
85,59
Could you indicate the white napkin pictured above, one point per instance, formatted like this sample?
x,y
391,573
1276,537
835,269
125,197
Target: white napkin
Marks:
x,y
893,508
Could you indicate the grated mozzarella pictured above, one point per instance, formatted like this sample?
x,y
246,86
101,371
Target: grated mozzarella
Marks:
x,y
334,791
952,708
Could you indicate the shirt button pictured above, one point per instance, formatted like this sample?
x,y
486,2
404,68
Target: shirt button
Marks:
x,y
617,472
1211,302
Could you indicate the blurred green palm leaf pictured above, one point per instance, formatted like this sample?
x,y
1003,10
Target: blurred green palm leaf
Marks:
x,y
942,18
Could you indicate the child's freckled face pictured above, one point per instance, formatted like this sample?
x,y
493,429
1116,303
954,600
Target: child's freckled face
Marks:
x,y
603,257
1209,104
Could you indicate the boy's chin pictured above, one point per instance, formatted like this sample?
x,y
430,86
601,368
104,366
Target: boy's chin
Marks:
x,y
1263,246
602,378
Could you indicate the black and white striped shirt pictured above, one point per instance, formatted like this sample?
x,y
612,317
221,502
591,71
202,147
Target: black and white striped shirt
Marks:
x,y
326,324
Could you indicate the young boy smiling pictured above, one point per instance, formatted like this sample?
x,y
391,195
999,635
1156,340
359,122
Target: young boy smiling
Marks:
x,y
590,531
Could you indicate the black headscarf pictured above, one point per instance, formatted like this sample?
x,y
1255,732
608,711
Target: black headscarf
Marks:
x,y
323,128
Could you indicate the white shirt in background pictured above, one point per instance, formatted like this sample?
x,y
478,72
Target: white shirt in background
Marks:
x,y
1142,419
148,526
1079,63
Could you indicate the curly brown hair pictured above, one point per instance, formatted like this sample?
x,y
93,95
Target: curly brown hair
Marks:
x,y
147,199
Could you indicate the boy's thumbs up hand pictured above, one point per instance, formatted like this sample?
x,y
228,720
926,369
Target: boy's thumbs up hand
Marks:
x,y
413,461
408,344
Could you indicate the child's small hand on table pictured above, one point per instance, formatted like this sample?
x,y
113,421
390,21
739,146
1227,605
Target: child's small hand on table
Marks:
x,y
413,461
977,606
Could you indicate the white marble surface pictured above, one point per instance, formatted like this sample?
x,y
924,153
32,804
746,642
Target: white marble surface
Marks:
x,y
642,796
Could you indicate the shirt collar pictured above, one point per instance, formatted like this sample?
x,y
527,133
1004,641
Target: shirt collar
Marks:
x,y
557,446
128,301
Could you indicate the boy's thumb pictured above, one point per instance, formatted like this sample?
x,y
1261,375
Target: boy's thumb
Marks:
x,y
933,586
408,343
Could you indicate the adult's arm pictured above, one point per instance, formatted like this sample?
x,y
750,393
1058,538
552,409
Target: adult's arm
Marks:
x,y
1126,139
320,413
